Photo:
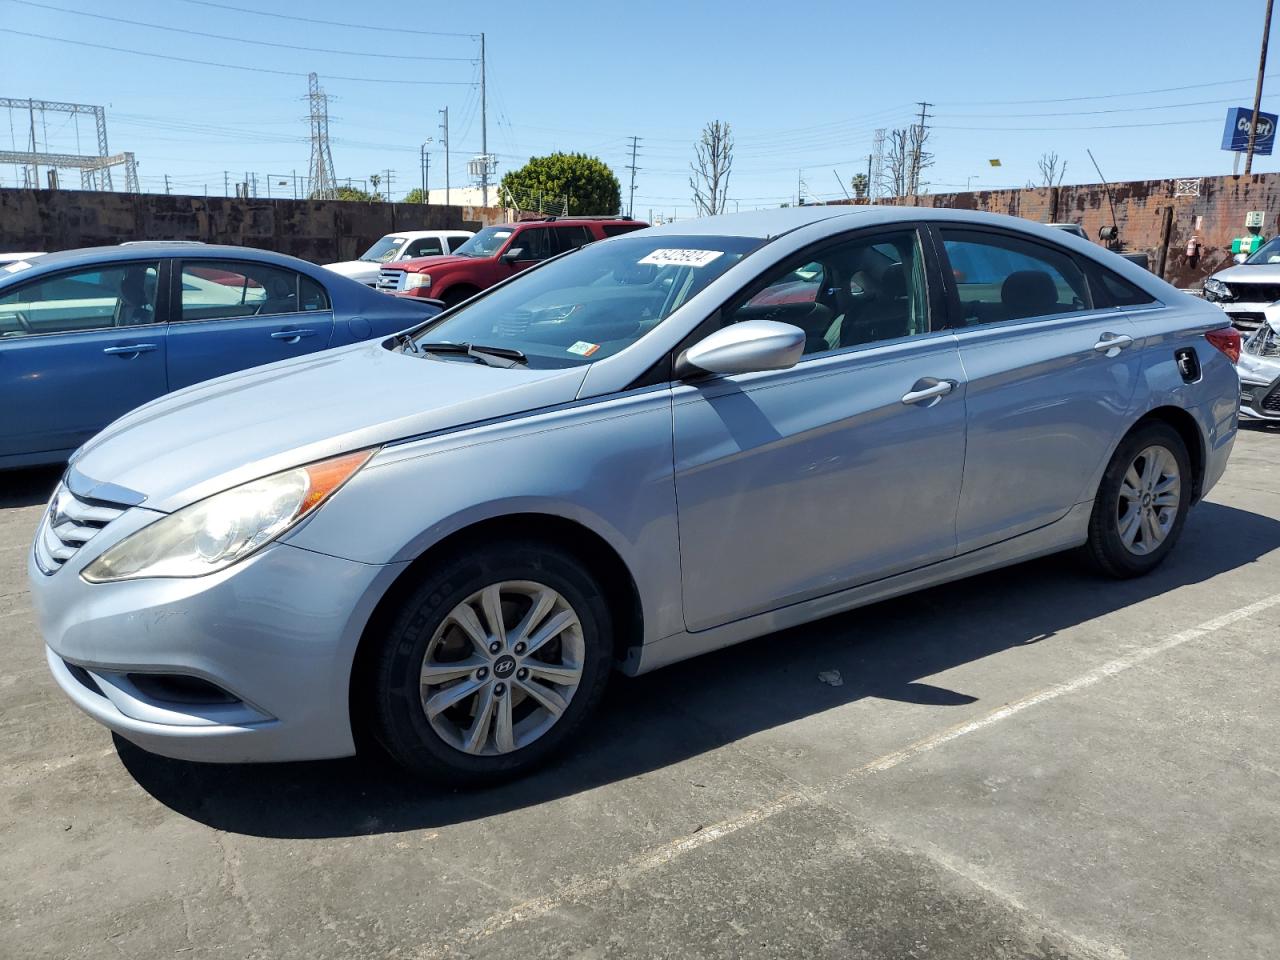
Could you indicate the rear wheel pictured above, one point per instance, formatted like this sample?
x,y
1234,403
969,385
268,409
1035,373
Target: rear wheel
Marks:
x,y
493,664
1142,502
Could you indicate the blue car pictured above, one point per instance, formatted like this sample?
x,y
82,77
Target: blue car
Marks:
x,y
87,335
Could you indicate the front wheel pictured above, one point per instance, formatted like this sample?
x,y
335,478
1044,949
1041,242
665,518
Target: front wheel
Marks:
x,y
493,664
1142,502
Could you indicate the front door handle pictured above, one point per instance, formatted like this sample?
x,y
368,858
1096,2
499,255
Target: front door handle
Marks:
x,y
292,336
128,351
926,390
1112,343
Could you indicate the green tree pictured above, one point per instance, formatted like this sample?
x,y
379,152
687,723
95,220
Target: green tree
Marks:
x,y
587,182
355,193
859,183
414,196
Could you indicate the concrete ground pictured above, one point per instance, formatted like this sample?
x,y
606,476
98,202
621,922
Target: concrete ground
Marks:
x,y
1032,764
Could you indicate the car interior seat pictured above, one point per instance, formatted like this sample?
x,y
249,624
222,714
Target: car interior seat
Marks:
x,y
1028,293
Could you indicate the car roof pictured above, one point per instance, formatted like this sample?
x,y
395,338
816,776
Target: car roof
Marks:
x,y
429,233
145,250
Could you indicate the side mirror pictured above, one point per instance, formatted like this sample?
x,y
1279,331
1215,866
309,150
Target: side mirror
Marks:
x,y
513,254
747,347
1240,258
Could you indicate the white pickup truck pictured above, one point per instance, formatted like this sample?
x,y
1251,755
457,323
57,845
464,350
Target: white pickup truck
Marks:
x,y
399,246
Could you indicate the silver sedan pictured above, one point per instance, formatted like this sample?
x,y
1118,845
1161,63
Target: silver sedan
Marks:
x,y
651,447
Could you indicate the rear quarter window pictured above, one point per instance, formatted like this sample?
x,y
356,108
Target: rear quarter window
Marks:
x,y
617,229
1115,290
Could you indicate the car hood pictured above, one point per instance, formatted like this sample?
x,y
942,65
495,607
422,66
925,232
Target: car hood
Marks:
x,y
214,435
1250,273
419,264
354,268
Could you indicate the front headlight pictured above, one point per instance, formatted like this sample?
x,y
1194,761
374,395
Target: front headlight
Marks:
x,y
214,533
412,281
1216,290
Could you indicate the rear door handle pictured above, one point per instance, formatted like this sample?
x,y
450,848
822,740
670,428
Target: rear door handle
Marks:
x,y
292,336
130,350
939,388
1112,343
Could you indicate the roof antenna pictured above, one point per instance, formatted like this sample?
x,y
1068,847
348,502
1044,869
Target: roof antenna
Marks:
x,y
1113,238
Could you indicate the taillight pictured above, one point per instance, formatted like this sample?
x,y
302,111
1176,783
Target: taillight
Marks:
x,y
1227,340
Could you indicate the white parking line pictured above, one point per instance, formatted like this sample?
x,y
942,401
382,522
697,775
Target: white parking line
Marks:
x,y
644,863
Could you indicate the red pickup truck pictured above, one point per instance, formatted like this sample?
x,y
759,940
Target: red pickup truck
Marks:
x,y
494,254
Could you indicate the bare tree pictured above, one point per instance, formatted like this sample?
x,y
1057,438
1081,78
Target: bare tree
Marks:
x,y
1052,170
905,160
713,160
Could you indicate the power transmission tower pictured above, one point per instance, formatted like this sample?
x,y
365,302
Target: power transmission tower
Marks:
x,y
877,165
324,185
631,200
95,170
444,140
484,130
914,185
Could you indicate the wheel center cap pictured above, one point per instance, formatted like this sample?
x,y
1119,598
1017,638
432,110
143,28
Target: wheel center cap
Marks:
x,y
504,666
1146,499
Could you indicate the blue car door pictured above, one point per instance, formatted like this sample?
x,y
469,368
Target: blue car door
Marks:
x,y
78,349
844,469
234,314
1052,377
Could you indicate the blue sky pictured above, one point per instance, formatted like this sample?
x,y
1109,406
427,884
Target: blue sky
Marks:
x,y
804,86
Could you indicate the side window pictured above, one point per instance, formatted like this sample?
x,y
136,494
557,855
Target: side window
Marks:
x,y
999,277
220,289
535,242
570,238
852,292
113,296
1120,292
425,247
453,243
615,229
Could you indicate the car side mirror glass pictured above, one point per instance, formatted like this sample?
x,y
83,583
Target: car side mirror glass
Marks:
x,y
751,346
1240,257
513,254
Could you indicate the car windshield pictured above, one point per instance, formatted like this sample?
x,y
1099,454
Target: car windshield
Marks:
x,y
384,250
485,243
1269,252
591,303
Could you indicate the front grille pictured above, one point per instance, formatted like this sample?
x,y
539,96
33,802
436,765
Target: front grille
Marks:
x,y
68,525
390,280
1271,401
1255,292
1244,321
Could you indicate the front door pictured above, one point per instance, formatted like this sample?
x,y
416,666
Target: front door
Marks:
x,y
1051,379
77,350
234,314
844,469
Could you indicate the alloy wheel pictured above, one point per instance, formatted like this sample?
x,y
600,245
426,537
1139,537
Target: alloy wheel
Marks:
x,y
502,667
1150,494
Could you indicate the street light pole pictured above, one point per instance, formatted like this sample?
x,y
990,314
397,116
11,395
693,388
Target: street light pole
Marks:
x,y
1257,93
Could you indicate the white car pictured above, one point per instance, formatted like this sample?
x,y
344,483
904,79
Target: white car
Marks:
x,y
400,246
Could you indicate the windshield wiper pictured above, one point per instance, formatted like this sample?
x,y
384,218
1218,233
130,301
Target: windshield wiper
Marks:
x,y
491,356
407,343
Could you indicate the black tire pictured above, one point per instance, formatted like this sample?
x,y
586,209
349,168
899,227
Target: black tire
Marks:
x,y
1105,547
398,718
455,295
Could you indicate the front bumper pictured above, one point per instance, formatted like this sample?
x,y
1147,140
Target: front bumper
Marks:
x,y
1260,401
276,633
1245,317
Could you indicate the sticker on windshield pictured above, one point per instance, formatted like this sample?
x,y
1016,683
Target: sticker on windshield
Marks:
x,y
681,258
584,349
16,266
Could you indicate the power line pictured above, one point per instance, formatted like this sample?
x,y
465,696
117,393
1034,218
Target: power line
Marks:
x,y
330,23
231,66
1084,113
1098,96
220,36
1103,126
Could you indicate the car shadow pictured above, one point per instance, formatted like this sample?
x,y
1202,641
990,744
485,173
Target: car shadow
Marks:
x,y
29,486
885,650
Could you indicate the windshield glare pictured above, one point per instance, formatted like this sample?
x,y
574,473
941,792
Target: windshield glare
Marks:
x,y
384,250
485,243
1269,252
594,302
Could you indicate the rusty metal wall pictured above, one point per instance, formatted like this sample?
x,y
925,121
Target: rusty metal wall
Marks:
x,y
318,230
1215,215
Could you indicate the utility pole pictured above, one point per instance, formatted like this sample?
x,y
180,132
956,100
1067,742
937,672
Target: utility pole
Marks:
x,y
799,190
914,183
484,129
1257,93
424,159
166,183
35,165
631,200
444,139
226,183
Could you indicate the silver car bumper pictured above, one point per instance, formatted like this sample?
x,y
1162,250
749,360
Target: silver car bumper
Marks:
x,y
249,664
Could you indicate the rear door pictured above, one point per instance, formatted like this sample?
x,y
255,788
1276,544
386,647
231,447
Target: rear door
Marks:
x,y
233,314
77,350
846,468
1051,379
